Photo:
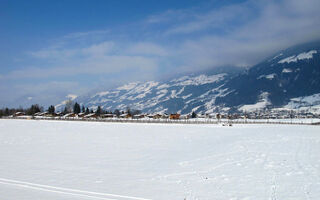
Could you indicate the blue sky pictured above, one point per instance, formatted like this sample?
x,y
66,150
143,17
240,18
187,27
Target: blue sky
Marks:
x,y
50,49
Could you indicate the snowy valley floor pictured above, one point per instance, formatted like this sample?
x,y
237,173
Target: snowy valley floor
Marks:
x,y
92,160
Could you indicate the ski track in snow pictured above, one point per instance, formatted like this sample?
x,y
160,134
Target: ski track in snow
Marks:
x,y
67,191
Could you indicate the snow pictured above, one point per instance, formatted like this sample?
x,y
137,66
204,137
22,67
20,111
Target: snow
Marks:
x,y
72,96
312,99
90,160
198,80
103,93
186,96
195,108
286,70
173,94
128,87
262,103
301,56
307,103
277,56
269,76
145,88
163,86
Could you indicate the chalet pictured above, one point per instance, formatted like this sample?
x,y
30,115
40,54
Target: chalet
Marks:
x,y
107,116
150,116
125,115
59,114
17,114
41,114
174,116
91,115
69,115
38,114
184,116
165,116
138,116
211,116
81,114
157,116
201,116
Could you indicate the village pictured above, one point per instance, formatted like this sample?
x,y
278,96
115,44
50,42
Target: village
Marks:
x,y
262,116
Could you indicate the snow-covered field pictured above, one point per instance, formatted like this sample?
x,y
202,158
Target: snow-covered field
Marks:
x,y
92,160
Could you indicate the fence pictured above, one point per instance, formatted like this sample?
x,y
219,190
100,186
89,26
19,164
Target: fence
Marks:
x,y
166,121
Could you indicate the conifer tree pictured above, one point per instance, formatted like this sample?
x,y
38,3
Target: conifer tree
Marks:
x,y
193,115
117,112
6,112
65,110
99,111
51,109
34,109
76,108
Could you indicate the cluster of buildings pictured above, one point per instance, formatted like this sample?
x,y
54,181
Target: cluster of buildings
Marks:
x,y
252,115
103,116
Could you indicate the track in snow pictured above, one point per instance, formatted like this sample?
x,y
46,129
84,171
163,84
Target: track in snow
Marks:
x,y
68,191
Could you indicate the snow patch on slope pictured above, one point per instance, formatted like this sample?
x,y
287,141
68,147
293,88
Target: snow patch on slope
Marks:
x,y
305,103
198,80
262,103
102,93
128,86
301,56
286,70
269,76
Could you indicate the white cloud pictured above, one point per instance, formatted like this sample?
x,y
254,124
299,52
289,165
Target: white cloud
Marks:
x,y
244,34
100,49
146,48
176,41
85,35
239,34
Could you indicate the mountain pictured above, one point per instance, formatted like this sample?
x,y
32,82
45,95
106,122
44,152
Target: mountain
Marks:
x,y
292,73
289,79
193,92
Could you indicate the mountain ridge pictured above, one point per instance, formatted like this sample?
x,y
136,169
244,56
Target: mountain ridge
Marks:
x,y
272,83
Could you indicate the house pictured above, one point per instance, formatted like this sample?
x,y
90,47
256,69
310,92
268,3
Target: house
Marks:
x,y
59,114
174,116
184,116
125,115
81,114
165,116
150,116
91,115
69,115
38,114
157,116
17,114
41,114
107,116
138,116
201,116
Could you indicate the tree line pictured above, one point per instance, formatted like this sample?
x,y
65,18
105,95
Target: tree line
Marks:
x,y
35,108
70,107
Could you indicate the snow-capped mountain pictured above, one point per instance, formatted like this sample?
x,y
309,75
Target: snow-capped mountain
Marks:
x,y
183,95
290,79
292,73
